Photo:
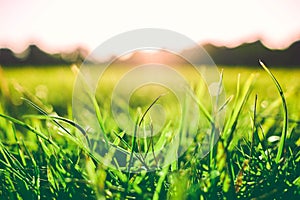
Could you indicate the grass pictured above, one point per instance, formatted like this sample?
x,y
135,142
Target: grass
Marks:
x,y
256,157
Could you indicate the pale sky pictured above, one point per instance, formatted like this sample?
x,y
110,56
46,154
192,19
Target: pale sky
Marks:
x,y
57,25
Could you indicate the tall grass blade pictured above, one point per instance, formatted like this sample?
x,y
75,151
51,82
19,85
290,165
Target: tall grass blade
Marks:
x,y
240,100
285,114
202,108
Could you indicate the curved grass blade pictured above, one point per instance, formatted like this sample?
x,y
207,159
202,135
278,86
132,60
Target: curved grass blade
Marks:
x,y
147,110
45,113
285,113
72,123
26,126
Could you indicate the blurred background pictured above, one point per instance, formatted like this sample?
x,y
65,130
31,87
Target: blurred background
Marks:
x,y
253,28
41,39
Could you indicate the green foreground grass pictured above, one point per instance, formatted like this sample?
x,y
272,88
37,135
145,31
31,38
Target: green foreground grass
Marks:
x,y
256,157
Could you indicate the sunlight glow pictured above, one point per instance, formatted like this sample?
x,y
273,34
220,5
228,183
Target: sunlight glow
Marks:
x,y
59,25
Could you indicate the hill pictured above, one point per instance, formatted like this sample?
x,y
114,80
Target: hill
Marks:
x,y
246,54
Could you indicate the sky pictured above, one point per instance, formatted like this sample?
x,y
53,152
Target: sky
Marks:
x,y
60,25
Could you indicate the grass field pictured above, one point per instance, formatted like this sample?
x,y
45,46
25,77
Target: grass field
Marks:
x,y
256,157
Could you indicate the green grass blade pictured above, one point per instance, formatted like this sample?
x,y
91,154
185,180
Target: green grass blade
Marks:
x,y
147,110
162,176
202,108
133,143
54,118
45,113
99,118
240,100
26,126
285,113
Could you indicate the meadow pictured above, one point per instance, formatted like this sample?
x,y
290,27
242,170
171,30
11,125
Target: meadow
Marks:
x,y
257,155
